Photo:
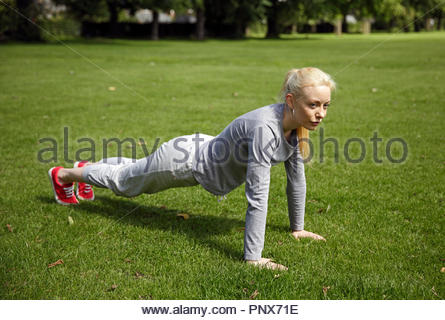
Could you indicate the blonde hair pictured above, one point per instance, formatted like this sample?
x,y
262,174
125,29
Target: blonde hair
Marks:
x,y
295,81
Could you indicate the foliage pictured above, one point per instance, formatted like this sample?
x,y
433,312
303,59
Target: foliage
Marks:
x,y
91,10
6,16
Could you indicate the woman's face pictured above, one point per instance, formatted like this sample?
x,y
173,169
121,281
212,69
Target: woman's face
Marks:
x,y
311,107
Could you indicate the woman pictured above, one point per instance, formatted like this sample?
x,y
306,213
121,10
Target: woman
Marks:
x,y
243,152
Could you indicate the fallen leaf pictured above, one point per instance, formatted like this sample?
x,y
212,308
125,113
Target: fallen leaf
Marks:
x,y
245,290
185,216
127,260
235,94
139,275
374,89
280,243
254,294
60,261
320,210
325,290
328,208
312,200
276,276
434,291
252,282
70,220
9,227
111,88
442,269
113,287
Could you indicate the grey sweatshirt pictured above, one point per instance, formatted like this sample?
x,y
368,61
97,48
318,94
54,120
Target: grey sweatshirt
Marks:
x,y
244,152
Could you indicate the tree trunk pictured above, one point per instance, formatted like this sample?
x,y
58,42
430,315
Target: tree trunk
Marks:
x,y
314,28
338,27
439,20
366,26
155,25
112,23
272,21
200,24
429,24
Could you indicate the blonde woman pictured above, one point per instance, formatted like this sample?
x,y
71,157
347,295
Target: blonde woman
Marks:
x,y
242,153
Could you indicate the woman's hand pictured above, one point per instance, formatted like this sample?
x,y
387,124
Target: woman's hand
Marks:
x,y
306,234
267,263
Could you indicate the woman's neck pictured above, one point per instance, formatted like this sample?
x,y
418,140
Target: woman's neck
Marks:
x,y
287,122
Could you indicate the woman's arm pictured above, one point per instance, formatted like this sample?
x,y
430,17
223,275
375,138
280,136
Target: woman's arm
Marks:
x,y
296,197
295,190
260,150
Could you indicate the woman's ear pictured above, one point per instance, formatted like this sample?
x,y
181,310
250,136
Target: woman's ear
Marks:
x,y
290,100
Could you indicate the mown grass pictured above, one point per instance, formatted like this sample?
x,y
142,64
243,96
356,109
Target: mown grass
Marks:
x,y
385,222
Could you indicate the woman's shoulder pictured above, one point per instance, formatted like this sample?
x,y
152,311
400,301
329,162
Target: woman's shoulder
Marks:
x,y
270,113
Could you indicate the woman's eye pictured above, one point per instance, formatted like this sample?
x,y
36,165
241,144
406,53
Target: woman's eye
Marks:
x,y
313,105
326,105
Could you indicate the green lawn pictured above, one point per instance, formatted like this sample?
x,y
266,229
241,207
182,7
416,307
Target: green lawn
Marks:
x,y
385,223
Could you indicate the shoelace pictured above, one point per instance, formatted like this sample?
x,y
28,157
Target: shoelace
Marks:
x,y
87,188
69,191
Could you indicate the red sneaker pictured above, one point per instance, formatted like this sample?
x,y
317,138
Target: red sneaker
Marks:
x,y
84,191
64,193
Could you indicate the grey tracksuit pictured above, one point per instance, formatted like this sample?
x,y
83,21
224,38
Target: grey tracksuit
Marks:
x,y
243,152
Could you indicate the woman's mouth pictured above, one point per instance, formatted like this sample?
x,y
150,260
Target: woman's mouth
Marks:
x,y
315,123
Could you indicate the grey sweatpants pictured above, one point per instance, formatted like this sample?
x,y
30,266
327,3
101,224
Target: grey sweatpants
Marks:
x,y
170,166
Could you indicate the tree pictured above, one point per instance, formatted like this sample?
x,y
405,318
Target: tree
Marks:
x,y
426,10
83,10
21,28
156,6
280,13
246,12
114,7
199,7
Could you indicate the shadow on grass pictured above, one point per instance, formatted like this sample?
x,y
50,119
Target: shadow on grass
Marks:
x,y
201,228
137,42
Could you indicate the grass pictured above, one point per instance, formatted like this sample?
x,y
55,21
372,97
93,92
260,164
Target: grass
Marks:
x,y
385,224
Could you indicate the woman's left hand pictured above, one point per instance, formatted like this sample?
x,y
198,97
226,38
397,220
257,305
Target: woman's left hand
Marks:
x,y
306,234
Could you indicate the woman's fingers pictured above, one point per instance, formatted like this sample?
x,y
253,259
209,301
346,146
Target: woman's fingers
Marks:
x,y
318,237
307,234
267,264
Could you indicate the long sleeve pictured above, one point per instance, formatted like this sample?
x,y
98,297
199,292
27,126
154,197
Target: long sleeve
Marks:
x,y
296,190
257,191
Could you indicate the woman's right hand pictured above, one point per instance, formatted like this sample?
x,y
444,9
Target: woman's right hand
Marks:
x,y
267,263
306,234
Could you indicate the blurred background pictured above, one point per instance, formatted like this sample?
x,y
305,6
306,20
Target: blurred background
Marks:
x,y
198,19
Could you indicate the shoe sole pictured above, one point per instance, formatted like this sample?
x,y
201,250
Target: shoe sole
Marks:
x,y
50,175
76,165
